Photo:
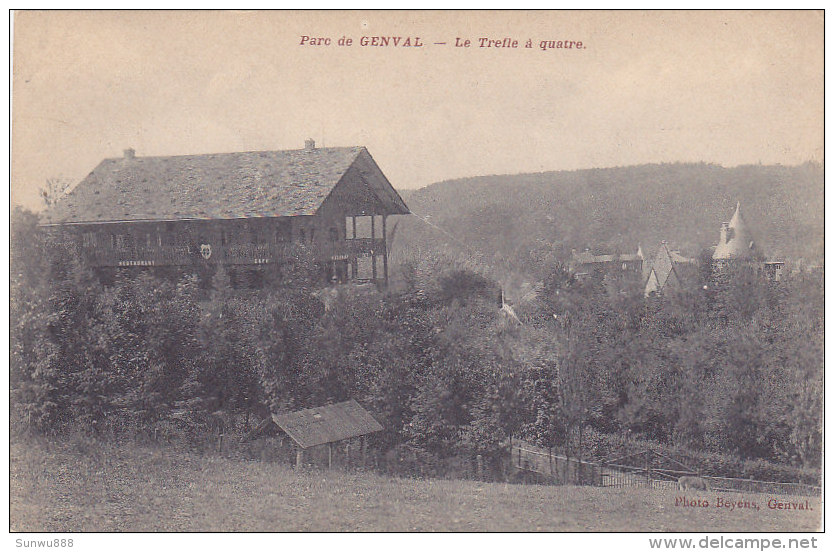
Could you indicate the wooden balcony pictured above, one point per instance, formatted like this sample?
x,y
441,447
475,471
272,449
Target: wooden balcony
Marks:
x,y
351,249
242,254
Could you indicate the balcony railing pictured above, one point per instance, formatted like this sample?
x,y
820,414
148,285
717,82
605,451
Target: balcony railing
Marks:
x,y
237,254
349,249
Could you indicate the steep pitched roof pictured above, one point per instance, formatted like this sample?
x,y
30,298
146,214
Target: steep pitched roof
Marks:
x,y
662,268
662,271
327,424
680,259
736,241
215,186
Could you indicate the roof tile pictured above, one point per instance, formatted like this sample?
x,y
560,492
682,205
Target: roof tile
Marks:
x,y
215,186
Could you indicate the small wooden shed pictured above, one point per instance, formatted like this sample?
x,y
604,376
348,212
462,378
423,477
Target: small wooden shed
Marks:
x,y
326,425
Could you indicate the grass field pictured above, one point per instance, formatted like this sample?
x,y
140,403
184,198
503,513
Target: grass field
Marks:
x,y
88,486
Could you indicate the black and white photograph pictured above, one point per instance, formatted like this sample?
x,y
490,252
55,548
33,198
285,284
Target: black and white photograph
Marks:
x,y
330,271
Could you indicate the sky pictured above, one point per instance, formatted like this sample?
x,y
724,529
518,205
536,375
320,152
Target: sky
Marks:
x,y
721,87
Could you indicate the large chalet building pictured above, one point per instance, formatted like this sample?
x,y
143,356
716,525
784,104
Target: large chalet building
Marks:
x,y
241,210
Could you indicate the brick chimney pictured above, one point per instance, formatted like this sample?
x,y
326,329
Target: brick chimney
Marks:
x,y
130,153
309,144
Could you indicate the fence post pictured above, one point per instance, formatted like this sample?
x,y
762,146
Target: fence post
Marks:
x,y
646,467
299,458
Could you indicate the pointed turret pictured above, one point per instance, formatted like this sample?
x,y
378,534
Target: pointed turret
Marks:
x,y
735,241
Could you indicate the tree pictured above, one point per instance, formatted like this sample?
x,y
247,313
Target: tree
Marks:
x,y
34,377
54,189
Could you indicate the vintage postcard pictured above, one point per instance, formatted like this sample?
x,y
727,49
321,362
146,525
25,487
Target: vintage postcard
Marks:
x,y
417,271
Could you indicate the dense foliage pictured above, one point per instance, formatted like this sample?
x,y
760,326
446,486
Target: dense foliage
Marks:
x,y
731,369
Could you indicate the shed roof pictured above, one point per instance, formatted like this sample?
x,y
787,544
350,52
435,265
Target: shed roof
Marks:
x,y
327,424
215,186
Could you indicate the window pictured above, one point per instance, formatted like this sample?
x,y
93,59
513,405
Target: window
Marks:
x,y
89,239
122,241
282,231
250,233
169,238
349,225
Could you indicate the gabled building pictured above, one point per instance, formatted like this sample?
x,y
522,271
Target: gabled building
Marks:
x,y
588,265
235,209
666,270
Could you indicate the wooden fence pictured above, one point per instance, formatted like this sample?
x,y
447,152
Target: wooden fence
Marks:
x,y
559,469
734,484
655,471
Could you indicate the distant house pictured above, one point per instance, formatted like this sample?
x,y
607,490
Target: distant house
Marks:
x,y
242,210
736,247
588,265
773,270
666,270
735,242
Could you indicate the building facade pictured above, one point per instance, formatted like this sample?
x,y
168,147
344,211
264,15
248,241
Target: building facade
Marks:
x,y
240,210
587,265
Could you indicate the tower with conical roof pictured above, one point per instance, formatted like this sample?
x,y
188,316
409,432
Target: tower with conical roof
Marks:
x,y
735,241
735,245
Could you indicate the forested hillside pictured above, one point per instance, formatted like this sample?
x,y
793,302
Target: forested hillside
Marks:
x,y
529,221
